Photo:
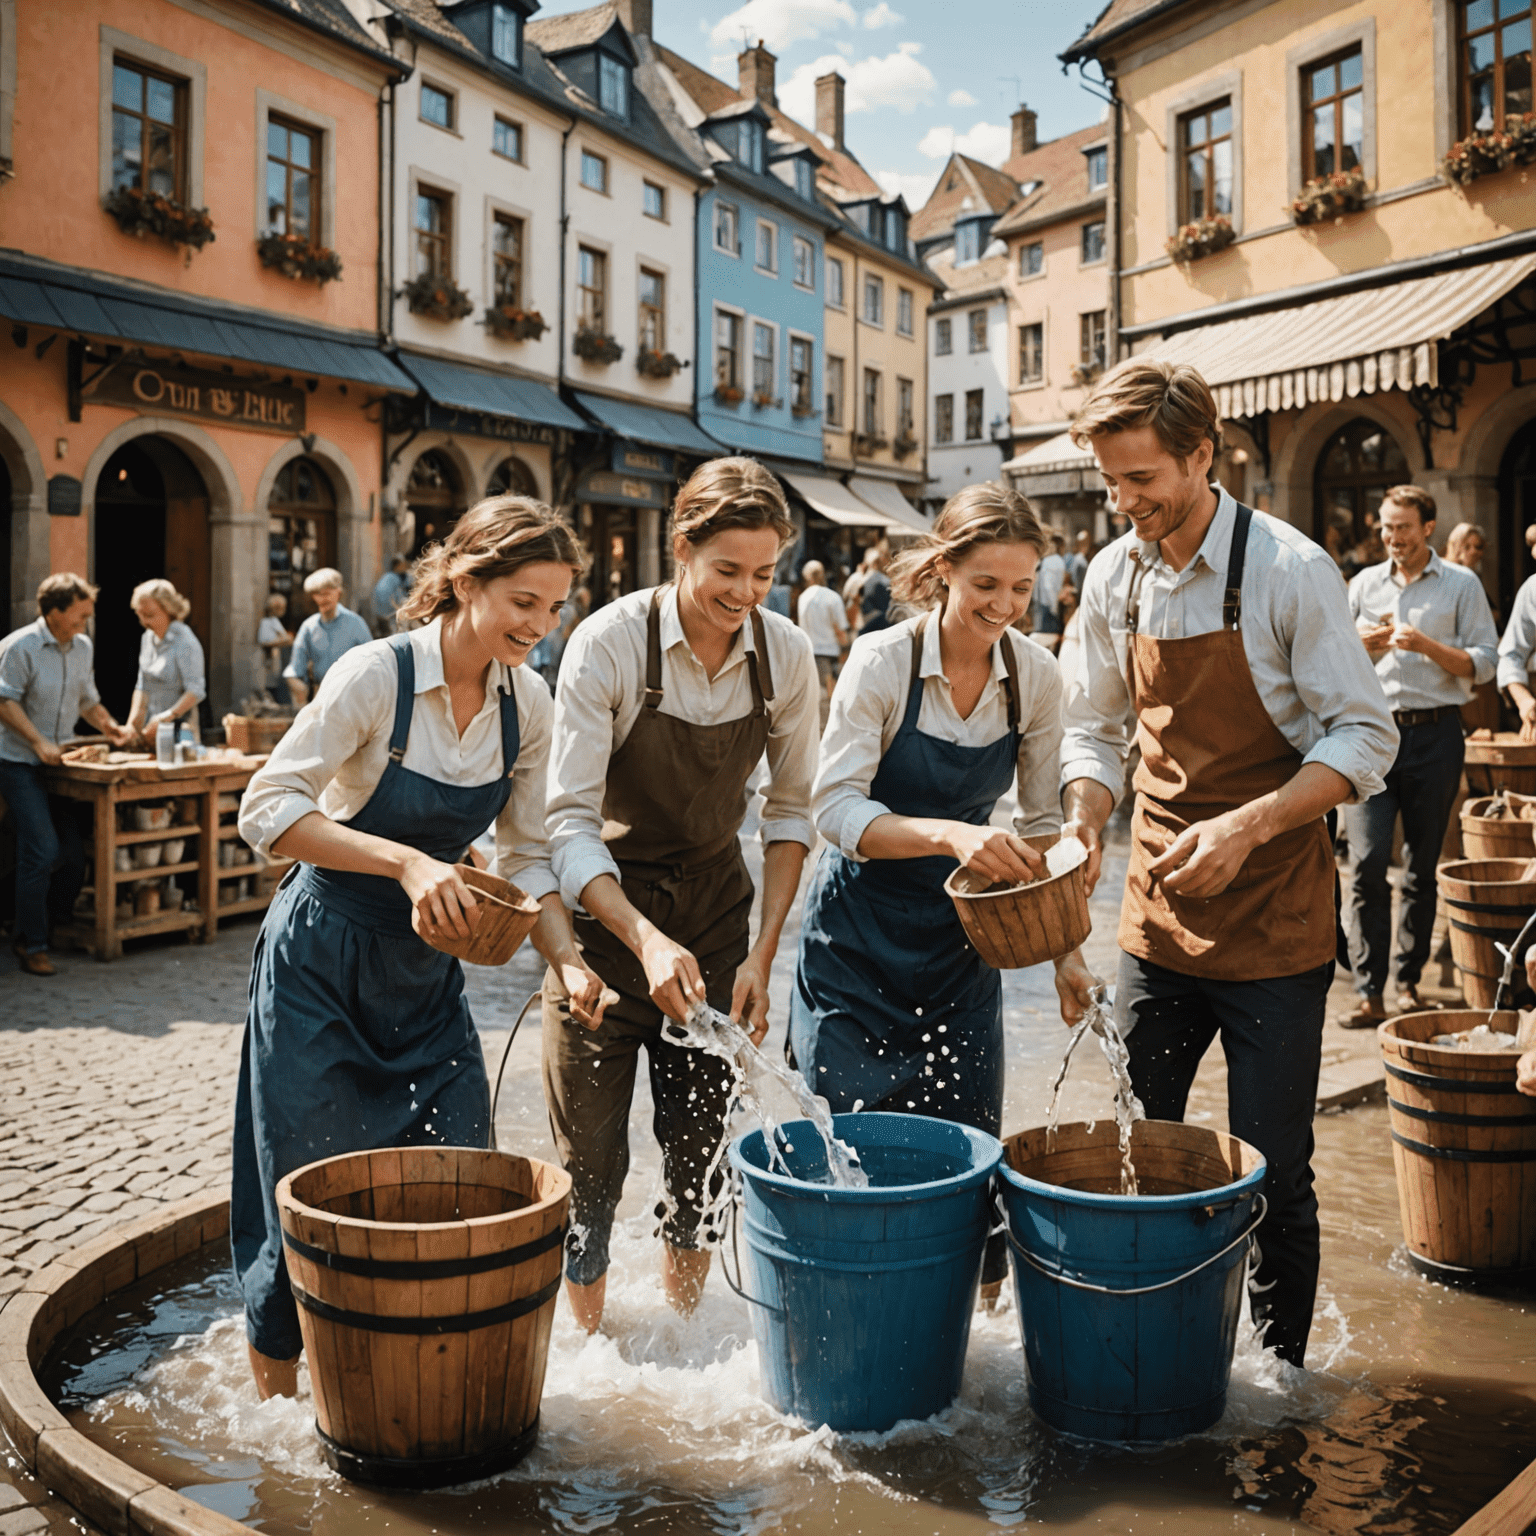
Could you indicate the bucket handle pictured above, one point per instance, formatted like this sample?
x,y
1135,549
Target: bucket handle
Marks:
x,y
725,1269
496,1092
1138,1290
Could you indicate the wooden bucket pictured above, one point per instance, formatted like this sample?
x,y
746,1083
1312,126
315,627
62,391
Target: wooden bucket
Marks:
x,y
1018,925
1464,1145
426,1279
506,919
1488,904
1502,762
1495,837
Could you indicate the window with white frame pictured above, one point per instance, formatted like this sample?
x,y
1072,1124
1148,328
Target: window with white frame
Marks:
x,y
594,172
834,392
726,238
943,337
834,282
1032,259
1098,167
507,139
1032,353
612,85
805,179
802,380
805,263
944,418
1092,238
654,201
874,299
976,329
767,257
904,311
437,106
765,371
727,350
749,143
506,35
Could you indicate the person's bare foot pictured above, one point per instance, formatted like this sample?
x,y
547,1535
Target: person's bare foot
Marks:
x,y
1370,1012
683,1272
274,1378
990,1294
587,1302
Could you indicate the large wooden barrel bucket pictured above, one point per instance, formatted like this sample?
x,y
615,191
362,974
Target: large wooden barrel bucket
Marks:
x,y
426,1279
1018,925
1488,904
1495,837
1464,1145
1501,761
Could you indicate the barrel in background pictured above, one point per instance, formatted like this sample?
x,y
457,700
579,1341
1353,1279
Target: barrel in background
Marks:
x,y
1487,902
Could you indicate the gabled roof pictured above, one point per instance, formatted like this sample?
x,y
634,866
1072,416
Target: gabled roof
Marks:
x,y
1061,169
1118,17
577,29
964,181
334,19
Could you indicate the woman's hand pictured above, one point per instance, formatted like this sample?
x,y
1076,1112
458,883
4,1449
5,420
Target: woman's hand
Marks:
x,y
749,997
1525,1074
994,853
1074,985
445,905
590,999
672,974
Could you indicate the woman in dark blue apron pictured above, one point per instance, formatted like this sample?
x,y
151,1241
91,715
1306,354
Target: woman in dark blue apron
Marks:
x,y
358,1035
932,721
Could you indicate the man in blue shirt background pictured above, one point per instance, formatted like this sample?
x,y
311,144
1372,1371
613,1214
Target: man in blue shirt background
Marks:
x,y
323,637
389,592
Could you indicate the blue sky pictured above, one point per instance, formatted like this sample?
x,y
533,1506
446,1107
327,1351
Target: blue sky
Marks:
x,y
922,76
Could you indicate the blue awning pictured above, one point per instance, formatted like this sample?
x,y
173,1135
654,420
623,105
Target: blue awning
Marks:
x,y
463,388
36,292
650,424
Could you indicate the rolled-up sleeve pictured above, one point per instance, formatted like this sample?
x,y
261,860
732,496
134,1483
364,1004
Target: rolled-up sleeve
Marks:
x,y
16,671
1514,663
1097,738
522,846
1474,624
1039,770
793,732
851,748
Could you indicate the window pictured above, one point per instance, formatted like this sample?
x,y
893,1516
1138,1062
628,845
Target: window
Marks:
x,y
767,246
1496,63
727,350
512,477
805,263
594,171
975,414
874,300
834,282
944,419
612,86
834,391
434,233
903,407
149,130
749,143
967,242
1031,353
1092,242
436,106
1098,168
872,413
1091,333
943,337
725,229
1032,259
802,382
505,42
895,230
1360,463
805,179
1333,115
507,139
293,180
301,532
653,311
1205,149
976,329
765,372
592,290
507,261
904,311
654,201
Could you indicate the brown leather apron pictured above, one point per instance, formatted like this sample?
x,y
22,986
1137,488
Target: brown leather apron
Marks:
x,y
1208,746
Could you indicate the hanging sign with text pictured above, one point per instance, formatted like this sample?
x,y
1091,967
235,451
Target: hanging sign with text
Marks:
x,y
196,392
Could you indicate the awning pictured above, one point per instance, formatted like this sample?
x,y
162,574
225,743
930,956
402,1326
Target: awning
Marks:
x,y
35,292
897,511
1382,338
835,502
1056,467
650,424
462,388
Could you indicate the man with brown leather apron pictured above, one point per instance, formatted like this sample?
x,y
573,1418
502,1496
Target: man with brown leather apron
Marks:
x,y
1226,635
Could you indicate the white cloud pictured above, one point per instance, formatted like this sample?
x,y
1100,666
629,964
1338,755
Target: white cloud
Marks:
x,y
899,80
780,23
881,16
988,142
914,186
961,98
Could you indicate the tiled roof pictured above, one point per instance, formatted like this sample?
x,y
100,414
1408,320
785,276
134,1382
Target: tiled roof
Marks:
x,y
963,179
577,29
426,14
974,277
1061,168
1116,17
333,17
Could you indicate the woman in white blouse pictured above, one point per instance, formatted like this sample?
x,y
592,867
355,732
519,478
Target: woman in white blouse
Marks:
x,y
358,1034
932,721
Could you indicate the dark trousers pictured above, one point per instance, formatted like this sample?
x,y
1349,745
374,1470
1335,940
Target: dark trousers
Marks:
x,y
50,857
1272,1034
1422,785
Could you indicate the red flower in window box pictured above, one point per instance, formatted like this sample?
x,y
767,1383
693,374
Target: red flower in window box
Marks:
x,y
295,257
1487,153
657,365
594,347
513,324
1330,197
143,213
1202,237
728,394
438,297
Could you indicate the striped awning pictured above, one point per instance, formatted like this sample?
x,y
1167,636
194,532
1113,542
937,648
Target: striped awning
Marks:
x,y
1332,349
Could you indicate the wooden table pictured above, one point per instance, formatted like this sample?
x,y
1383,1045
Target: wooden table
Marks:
x,y
108,786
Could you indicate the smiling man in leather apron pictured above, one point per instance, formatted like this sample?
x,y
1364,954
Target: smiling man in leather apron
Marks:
x,y
1224,636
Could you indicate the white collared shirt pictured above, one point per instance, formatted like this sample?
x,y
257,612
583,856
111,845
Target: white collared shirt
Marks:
x,y
870,701
600,694
334,754
1310,669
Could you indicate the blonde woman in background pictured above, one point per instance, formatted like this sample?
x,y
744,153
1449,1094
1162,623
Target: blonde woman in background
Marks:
x,y
274,641
171,681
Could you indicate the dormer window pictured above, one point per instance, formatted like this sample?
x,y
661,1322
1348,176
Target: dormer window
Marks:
x,y
749,143
967,242
895,230
612,86
1098,168
506,35
805,179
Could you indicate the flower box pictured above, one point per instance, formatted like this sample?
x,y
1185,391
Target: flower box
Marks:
x,y
728,394
511,324
1083,374
295,257
1204,237
1330,197
142,213
1485,154
803,412
593,347
657,365
437,297
869,442
765,400
904,445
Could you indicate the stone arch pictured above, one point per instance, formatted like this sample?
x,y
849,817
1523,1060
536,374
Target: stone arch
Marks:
x,y
1296,459
30,560
1482,449
470,477
355,556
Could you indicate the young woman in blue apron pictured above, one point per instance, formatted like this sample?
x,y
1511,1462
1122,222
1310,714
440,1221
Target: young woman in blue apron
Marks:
x,y
358,1035
932,721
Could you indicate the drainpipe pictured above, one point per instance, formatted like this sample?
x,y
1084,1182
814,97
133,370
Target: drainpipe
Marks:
x,y
1107,90
565,227
856,383
703,345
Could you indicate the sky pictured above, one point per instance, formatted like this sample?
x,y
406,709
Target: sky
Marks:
x,y
924,76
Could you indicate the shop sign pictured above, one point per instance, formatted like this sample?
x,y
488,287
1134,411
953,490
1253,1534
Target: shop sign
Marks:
x,y
621,490
447,418
650,462
209,396
1067,482
64,498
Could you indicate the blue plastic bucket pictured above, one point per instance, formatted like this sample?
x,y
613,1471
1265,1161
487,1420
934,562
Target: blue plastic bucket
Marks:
x,y
862,1298
1129,1304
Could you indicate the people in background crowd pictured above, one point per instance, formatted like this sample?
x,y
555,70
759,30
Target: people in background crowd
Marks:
x,y
875,596
276,643
46,684
324,637
1516,649
389,591
1466,546
822,617
172,681
1049,582
1077,561
853,586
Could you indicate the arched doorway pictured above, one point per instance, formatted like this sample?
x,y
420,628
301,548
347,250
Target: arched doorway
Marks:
x,y
301,533
434,496
1356,468
151,519
1517,512
512,478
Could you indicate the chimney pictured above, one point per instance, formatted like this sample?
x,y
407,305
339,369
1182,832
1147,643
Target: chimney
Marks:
x,y
1024,138
636,16
754,74
829,108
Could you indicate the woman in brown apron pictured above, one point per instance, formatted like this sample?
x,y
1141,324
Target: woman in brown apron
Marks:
x,y
668,699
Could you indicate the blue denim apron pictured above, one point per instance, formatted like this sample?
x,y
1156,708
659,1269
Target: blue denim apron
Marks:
x,y
358,1035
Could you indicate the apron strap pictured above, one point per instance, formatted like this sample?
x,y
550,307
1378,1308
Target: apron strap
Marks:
x,y
915,684
759,671
1133,596
1011,683
405,697
511,729
1232,603
653,653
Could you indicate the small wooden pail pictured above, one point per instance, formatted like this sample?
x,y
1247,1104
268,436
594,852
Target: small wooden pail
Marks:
x,y
1464,1145
1504,762
1496,837
426,1279
507,917
1018,925
1488,904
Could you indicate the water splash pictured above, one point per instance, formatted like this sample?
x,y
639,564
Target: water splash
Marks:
x,y
1128,1110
